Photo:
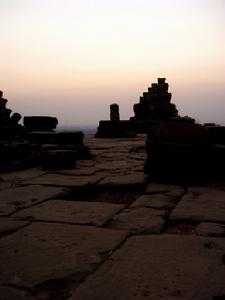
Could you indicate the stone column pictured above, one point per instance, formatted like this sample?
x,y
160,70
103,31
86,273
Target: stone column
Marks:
x,y
114,112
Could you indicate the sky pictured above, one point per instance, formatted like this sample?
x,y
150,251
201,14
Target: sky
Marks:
x,y
73,58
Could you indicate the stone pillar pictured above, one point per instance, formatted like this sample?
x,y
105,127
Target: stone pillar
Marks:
x,y
114,112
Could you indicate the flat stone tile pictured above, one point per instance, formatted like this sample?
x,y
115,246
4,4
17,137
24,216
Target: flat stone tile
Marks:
x,y
83,171
113,165
210,229
77,212
140,220
201,204
43,252
23,175
10,225
158,201
160,267
173,190
65,180
16,198
133,180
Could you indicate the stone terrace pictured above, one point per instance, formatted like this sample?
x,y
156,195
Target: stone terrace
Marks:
x,y
101,231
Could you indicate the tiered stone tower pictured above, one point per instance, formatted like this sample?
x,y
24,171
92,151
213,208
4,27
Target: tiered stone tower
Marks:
x,y
155,104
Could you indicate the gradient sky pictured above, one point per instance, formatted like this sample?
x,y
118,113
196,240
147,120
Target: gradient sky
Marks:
x,y
72,58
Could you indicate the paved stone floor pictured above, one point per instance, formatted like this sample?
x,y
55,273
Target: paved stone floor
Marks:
x,y
102,231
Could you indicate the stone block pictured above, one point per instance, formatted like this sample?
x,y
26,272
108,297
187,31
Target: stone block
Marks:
x,y
14,199
74,212
43,252
140,220
201,205
160,267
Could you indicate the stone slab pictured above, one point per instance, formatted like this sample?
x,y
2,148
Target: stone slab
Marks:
x,y
14,199
43,252
158,201
9,225
201,204
165,267
77,212
210,229
65,180
85,171
120,181
140,220
23,175
173,190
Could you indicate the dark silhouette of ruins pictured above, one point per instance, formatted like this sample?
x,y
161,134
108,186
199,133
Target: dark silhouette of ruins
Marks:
x,y
40,123
155,104
36,142
9,123
114,112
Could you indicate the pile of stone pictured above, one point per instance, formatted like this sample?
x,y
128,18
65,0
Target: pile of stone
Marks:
x,y
9,123
63,150
14,150
58,150
37,142
155,104
179,151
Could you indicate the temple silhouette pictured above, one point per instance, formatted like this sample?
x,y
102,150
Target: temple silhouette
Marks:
x,y
153,107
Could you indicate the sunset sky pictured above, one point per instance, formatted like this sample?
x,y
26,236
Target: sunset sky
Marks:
x,y
72,58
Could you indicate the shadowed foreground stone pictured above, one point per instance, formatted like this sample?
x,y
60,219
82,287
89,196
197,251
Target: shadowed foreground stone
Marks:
x,y
155,188
22,175
13,199
140,220
9,225
160,267
133,180
201,204
77,212
65,180
41,252
9,293
210,229
158,201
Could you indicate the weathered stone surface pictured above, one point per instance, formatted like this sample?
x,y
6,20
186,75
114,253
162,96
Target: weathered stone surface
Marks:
x,y
22,175
160,267
13,199
41,252
201,204
154,188
77,212
113,165
210,229
9,293
4,185
65,180
87,171
132,180
10,225
140,220
159,201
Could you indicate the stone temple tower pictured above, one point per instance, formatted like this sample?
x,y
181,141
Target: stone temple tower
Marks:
x,y
155,104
